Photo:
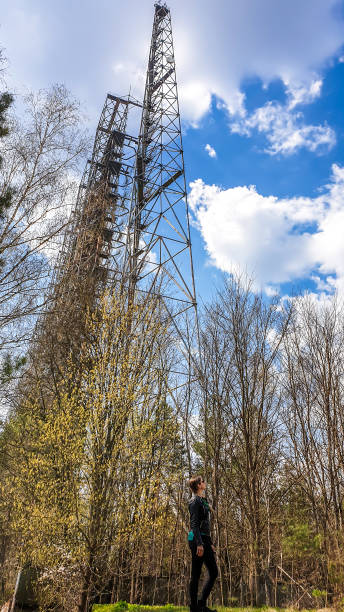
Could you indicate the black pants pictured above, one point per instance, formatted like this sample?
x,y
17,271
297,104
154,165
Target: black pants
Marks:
x,y
208,558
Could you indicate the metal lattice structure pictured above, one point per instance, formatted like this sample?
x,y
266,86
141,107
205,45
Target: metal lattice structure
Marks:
x,y
159,256
93,247
131,224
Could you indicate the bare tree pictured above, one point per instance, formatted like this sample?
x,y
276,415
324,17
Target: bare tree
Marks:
x,y
314,357
40,155
240,410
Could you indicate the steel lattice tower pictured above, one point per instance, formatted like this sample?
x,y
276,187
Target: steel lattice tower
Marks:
x,y
93,250
159,256
130,226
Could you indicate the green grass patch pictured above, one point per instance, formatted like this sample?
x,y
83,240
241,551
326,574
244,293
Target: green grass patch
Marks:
x,y
123,606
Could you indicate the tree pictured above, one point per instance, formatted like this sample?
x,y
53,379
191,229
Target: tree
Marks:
x,y
314,353
40,154
81,458
240,422
6,99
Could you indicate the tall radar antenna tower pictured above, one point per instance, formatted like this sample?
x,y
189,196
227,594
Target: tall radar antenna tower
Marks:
x,y
130,225
159,256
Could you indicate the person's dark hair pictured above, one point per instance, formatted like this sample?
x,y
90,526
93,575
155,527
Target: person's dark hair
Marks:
x,y
194,483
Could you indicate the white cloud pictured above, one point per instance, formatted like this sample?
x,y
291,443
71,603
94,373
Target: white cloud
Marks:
x,y
221,44
195,99
285,130
210,150
276,240
303,93
217,45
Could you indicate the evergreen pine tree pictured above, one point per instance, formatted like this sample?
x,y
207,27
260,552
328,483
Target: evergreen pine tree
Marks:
x,y
6,100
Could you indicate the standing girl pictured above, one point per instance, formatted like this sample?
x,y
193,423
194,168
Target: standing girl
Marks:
x,y
201,545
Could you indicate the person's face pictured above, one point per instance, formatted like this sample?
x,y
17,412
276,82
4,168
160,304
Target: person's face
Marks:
x,y
202,486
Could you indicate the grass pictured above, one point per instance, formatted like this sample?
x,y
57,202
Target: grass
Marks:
x,y
123,606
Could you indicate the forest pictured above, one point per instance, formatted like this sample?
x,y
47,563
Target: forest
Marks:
x,y
95,450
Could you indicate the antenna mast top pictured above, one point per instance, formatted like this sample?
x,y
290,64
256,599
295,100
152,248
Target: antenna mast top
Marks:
x,y
161,9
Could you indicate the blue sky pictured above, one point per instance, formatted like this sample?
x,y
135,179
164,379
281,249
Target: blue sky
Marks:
x,y
261,90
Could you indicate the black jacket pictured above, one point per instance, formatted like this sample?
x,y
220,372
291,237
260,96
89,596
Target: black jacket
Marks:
x,y
199,519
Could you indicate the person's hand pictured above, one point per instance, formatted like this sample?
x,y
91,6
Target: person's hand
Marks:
x,y
213,547
200,551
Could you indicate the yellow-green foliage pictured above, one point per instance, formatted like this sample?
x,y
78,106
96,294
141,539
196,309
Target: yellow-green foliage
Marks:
x,y
91,464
